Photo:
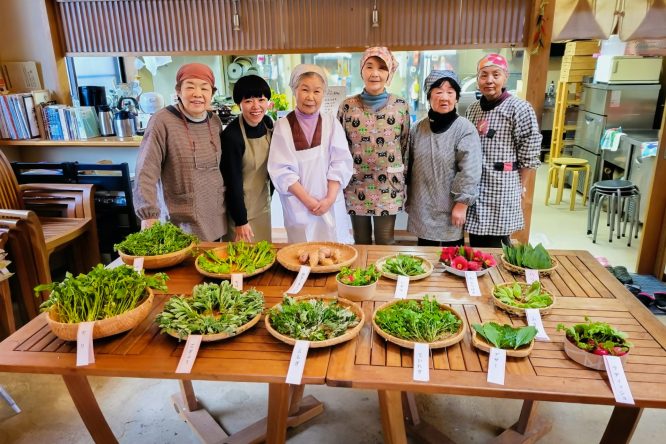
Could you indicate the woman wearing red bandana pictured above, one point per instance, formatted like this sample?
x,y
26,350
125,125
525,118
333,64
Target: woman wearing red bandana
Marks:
x,y
511,142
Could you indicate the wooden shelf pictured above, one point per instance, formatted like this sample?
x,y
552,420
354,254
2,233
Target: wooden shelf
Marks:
x,y
107,142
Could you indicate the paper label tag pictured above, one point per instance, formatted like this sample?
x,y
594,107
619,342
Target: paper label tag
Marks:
x,y
298,283
9,400
297,363
496,366
138,264
85,354
618,380
421,362
472,283
533,316
237,281
189,354
401,287
531,275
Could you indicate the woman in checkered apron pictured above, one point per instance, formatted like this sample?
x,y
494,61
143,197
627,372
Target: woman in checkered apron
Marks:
x,y
511,143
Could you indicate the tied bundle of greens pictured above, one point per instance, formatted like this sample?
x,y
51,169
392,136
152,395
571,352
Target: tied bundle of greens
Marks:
x,y
419,321
160,238
404,265
212,309
505,336
597,337
526,256
533,297
241,258
100,294
311,319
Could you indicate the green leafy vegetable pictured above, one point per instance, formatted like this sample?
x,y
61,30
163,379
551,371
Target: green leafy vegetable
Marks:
x,y
99,294
311,319
404,265
160,238
419,321
526,256
358,276
597,337
505,336
212,309
533,297
241,258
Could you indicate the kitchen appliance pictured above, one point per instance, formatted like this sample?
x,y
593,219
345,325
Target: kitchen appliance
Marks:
x,y
627,69
640,169
105,117
149,103
124,120
92,96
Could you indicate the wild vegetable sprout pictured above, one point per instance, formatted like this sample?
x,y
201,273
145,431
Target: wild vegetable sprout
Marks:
x,y
404,265
505,336
241,258
526,256
160,238
532,297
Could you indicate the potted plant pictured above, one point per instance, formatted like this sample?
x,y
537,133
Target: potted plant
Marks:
x,y
458,260
357,284
588,342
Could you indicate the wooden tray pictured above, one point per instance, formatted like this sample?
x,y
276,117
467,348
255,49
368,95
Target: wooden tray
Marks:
x,y
351,333
288,256
220,336
587,359
427,265
521,270
446,342
161,260
517,310
480,342
104,327
462,273
222,253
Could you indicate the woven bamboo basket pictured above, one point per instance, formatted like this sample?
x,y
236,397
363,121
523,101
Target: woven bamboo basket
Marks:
x,y
480,342
288,256
427,265
104,327
453,339
517,310
586,358
161,260
521,270
222,253
220,336
350,334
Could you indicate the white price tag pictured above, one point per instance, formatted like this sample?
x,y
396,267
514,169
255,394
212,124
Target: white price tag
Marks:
x,y
138,264
531,275
298,283
85,354
9,400
237,281
297,363
421,362
472,283
189,354
401,287
618,380
534,319
496,366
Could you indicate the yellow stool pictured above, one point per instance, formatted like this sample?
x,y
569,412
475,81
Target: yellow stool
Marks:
x,y
559,166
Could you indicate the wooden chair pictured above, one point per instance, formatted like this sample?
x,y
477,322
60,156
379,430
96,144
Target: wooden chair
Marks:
x,y
44,172
7,321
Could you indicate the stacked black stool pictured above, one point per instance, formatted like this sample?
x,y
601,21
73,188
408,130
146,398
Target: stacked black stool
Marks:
x,y
623,199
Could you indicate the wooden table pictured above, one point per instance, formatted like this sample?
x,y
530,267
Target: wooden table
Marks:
x,y
582,288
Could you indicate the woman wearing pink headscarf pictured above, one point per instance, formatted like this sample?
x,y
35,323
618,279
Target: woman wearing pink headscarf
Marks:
x,y
377,127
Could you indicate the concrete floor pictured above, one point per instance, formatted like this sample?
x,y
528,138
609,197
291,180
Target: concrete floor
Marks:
x,y
139,410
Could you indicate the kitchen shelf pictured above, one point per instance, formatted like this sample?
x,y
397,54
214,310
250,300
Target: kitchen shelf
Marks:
x,y
106,142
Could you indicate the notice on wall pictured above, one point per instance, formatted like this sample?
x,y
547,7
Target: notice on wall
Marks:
x,y
332,99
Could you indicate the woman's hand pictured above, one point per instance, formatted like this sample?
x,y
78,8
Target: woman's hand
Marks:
x,y
323,206
244,233
147,223
459,214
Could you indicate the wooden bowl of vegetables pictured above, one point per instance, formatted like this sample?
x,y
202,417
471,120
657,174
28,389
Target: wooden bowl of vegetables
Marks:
x,y
588,342
517,258
414,267
515,297
517,341
161,245
407,321
236,257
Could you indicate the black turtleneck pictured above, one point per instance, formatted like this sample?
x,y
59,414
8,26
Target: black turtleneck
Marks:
x,y
487,105
441,122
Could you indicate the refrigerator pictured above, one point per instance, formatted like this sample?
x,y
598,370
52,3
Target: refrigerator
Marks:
x,y
610,106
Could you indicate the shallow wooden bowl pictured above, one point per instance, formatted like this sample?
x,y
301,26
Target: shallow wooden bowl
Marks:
x,y
521,270
288,256
518,311
220,336
480,342
222,253
427,265
161,260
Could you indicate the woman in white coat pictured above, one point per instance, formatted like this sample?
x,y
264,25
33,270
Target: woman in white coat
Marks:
x,y
310,164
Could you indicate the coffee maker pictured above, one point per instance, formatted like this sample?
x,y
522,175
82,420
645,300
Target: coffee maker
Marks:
x,y
96,96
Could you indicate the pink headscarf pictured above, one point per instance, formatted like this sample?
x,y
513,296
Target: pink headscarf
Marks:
x,y
385,55
493,60
195,71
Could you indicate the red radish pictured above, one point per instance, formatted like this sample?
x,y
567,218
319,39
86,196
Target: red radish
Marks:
x,y
600,351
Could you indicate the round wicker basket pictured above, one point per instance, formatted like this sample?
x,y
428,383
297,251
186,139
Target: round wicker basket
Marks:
x,y
586,358
454,338
161,260
427,265
521,270
222,253
220,336
104,327
480,342
517,310
288,256
350,334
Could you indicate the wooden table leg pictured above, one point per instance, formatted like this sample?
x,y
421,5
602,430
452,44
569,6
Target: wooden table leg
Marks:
x,y
420,430
86,404
529,428
621,425
199,419
393,421
278,411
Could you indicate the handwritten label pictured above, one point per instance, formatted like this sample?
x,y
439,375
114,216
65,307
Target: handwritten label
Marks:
x,y
332,98
85,353
138,264
237,281
401,287
5,394
472,283
298,283
297,363
189,354
618,380
496,366
421,362
534,319
531,275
